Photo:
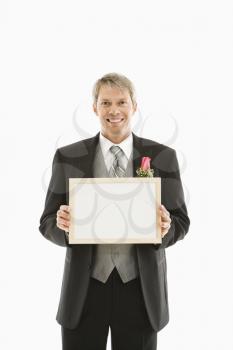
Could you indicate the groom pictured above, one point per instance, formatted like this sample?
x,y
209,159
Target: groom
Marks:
x,y
121,286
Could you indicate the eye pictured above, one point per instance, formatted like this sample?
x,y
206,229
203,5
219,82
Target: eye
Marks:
x,y
105,103
122,102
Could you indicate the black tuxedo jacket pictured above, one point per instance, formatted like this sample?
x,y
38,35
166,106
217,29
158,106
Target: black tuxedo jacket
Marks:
x,y
76,160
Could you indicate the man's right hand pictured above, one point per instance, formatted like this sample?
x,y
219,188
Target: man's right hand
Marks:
x,y
63,218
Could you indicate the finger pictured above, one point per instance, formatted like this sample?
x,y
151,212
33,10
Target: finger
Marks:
x,y
166,219
165,216
164,231
63,227
165,224
164,210
65,208
63,214
63,222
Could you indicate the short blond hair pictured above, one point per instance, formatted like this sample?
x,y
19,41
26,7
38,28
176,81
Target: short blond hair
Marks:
x,y
114,79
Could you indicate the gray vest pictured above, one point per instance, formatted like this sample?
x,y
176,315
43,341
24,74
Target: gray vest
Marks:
x,y
107,256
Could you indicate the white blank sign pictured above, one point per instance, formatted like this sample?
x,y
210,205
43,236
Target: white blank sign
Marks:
x,y
115,210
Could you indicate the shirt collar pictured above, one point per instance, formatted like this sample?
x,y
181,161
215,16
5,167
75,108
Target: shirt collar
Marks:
x,y
126,145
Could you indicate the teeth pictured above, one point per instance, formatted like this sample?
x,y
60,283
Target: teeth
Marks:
x,y
115,120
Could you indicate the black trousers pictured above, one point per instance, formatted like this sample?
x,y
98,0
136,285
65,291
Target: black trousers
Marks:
x,y
119,306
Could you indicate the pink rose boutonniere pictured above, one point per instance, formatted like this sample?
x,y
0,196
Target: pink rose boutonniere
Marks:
x,y
145,170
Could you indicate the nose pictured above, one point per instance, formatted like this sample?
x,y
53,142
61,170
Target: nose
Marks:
x,y
113,111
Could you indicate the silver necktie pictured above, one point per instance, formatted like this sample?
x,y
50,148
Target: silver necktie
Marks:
x,y
117,169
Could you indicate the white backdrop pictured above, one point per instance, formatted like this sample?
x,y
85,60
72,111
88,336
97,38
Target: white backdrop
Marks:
x,y
179,55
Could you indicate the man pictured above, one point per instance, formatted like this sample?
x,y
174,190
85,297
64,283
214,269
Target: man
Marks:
x,y
121,286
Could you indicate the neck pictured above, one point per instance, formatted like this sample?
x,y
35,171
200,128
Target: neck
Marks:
x,y
116,138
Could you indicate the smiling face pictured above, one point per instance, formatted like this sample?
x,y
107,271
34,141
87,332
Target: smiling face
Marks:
x,y
115,109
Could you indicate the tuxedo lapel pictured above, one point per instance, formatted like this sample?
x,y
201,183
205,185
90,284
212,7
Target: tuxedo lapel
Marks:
x,y
137,153
85,162
143,148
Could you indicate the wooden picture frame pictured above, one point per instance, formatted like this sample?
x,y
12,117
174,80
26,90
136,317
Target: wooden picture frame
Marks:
x,y
115,210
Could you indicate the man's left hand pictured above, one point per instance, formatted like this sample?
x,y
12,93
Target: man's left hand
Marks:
x,y
165,220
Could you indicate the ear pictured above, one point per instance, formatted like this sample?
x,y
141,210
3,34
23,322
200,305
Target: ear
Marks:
x,y
94,108
135,106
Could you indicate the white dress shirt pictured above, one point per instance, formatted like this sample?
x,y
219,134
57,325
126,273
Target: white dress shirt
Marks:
x,y
126,145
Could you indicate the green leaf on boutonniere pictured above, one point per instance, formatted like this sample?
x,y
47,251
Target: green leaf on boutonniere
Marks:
x,y
145,173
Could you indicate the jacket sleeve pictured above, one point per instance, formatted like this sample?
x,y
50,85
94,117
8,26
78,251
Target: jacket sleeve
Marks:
x,y
172,197
56,196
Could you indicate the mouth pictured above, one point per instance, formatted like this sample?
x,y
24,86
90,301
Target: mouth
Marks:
x,y
114,121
